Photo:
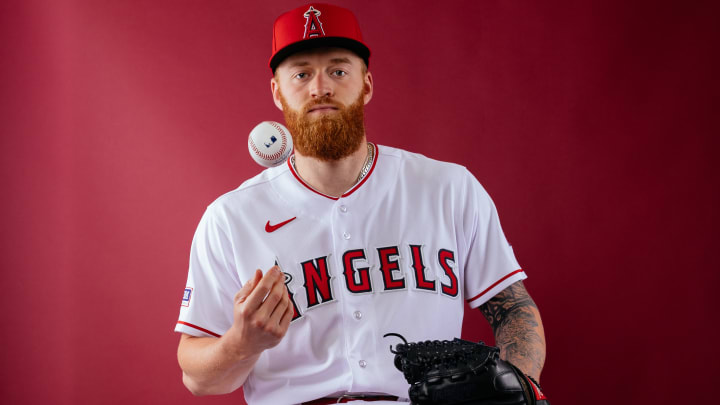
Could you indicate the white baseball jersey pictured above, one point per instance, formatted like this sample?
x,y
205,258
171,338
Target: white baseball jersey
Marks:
x,y
399,252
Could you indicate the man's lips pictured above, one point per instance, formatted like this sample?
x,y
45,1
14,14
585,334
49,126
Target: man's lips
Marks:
x,y
322,108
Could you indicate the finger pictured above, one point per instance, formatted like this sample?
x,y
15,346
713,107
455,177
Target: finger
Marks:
x,y
274,297
257,296
280,309
287,316
248,287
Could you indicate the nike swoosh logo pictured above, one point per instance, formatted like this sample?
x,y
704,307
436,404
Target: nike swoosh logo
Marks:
x,y
272,228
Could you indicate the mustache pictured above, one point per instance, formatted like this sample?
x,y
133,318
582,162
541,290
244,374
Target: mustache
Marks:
x,y
324,100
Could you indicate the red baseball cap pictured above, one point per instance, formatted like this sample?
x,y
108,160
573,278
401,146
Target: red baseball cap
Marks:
x,y
316,25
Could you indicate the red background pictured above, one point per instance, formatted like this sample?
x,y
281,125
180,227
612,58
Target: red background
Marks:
x,y
591,123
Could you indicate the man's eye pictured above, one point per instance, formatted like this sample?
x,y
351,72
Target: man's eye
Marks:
x,y
339,73
301,75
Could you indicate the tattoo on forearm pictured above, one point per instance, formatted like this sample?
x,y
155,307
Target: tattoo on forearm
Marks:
x,y
515,321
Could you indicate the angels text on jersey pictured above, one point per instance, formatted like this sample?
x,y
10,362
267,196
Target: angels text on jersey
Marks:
x,y
357,278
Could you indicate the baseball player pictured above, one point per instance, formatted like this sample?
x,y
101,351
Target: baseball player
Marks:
x,y
296,275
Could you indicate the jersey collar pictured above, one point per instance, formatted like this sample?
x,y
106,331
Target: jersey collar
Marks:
x,y
347,193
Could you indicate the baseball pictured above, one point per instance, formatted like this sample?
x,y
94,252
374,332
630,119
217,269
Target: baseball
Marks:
x,y
270,143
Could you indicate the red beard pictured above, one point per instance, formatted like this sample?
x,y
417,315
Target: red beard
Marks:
x,y
327,137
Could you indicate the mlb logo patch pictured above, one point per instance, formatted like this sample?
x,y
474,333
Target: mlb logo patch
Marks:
x,y
186,297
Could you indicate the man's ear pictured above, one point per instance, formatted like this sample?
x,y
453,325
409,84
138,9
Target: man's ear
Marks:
x,y
367,87
275,89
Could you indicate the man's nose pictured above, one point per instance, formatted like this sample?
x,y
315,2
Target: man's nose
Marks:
x,y
321,86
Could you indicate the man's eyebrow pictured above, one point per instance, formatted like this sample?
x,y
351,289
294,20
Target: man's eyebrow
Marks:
x,y
299,63
335,61
340,60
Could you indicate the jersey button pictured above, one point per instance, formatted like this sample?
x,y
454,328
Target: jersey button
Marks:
x,y
346,235
362,363
357,315
343,208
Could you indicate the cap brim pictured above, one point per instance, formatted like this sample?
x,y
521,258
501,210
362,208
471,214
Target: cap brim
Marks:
x,y
338,42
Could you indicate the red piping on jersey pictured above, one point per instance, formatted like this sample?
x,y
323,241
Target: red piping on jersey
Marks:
x,y
352,190
198,328
493,286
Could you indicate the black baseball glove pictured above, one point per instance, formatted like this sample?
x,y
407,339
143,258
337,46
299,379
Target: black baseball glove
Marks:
x,y
461,372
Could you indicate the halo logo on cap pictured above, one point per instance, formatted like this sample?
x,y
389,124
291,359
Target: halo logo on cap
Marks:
x,y
313,26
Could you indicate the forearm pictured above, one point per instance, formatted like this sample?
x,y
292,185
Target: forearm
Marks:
x,y
518,329
211,367
521,341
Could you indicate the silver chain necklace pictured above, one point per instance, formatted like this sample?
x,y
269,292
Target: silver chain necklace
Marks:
x,y
365,169
368,162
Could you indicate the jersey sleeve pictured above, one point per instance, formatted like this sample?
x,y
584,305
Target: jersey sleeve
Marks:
x,y
207,304
490,264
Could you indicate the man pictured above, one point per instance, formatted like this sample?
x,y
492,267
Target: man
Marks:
x,y
357,240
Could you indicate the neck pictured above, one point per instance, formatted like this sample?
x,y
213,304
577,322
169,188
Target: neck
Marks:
x,y
335,177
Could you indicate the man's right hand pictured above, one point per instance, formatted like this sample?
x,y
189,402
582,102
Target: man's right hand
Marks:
x,y
262,312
